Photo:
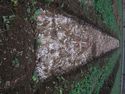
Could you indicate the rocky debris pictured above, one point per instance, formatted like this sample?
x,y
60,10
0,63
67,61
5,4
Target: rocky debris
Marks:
x,y
65,43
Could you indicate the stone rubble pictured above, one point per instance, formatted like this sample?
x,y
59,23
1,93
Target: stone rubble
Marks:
x,y
65,44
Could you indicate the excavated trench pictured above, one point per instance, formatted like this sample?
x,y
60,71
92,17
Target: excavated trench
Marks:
x,y
65,46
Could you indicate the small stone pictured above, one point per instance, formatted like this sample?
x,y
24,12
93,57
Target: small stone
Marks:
x,y
7,84
4,58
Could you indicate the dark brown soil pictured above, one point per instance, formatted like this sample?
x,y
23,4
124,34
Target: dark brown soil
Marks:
x,y
17,42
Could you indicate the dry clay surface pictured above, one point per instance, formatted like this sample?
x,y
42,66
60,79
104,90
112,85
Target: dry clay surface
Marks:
x,y
65,43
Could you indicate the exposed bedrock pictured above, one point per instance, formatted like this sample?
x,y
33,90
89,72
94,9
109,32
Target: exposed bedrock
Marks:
x,y
64,43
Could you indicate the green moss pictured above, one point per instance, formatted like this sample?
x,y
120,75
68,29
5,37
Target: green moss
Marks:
x,y
104,7
116,88
105,13
15,2
15,62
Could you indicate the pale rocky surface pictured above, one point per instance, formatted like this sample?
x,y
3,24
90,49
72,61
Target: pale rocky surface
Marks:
x,y
64,44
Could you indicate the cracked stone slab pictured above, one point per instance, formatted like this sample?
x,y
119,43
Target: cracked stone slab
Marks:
x,y
64,44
